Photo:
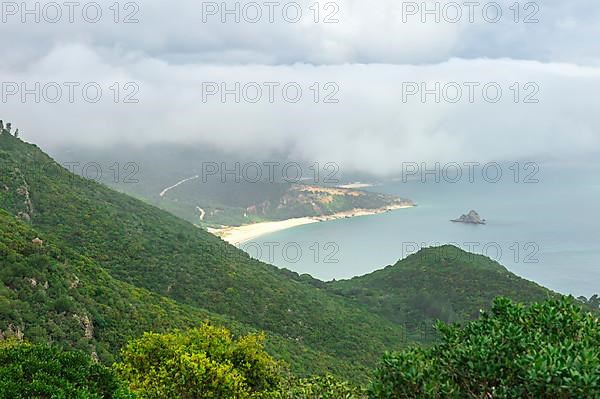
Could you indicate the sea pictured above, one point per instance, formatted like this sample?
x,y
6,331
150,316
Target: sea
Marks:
x,y
543,224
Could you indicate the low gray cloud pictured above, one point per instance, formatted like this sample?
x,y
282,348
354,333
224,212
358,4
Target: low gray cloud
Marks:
x,y
370,117
358,79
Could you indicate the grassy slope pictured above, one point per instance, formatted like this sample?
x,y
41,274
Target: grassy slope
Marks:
x,y
148,248
443,283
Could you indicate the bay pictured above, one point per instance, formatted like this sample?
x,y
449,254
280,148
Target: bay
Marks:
x,y
546,231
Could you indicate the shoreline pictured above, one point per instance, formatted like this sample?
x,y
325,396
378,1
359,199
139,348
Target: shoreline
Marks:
x,y
237,235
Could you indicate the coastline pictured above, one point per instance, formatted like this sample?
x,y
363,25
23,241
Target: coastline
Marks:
x,y
241,234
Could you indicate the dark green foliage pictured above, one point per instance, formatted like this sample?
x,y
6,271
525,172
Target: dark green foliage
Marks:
x,y
112,238
29,372
123,267
47,293
549,350
117,311
442,283
320,387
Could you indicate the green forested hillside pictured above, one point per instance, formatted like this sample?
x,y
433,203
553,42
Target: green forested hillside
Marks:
x,y
49,294
442,283
124,267
52,294
150,249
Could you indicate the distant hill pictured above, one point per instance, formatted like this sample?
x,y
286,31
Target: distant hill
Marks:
x,y
439,283
209,187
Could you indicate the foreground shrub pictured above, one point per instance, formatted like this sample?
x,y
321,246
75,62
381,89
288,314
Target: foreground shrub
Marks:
x,y
201,363
36,371
548,350
322,387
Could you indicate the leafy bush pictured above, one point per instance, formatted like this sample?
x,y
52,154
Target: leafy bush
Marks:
x,y
548,350
321,387
201,363
30,371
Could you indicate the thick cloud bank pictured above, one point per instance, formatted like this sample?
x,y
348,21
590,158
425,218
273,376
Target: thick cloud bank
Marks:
x,y
375,89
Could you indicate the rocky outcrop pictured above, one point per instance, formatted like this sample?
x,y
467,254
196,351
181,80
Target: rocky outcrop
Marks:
x,y
86,324
471,218
23,191
12,332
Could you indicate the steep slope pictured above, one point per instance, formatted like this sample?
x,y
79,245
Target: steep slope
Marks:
x,y
151,255
48,293
442,283
52,294
151,249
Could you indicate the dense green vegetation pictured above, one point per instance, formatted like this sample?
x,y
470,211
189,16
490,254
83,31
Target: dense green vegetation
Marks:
x,y
40,371
320,387
442,283
207,362
548,350
201,363
89,269
49,294
152,250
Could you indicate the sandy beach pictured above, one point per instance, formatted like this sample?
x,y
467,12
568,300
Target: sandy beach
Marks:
x,y
242,234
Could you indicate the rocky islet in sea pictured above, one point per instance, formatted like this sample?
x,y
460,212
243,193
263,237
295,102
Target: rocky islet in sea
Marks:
x,y
471,218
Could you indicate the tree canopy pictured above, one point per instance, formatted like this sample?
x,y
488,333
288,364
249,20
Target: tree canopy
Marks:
x,y
206,362
548,350
40,371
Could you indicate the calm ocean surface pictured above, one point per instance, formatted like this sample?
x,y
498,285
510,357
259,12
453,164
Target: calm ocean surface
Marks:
x,y
548,232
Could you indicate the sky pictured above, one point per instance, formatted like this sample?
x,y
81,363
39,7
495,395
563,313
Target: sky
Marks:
x,y
367,84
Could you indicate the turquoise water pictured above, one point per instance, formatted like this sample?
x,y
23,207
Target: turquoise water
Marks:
x,y
548,232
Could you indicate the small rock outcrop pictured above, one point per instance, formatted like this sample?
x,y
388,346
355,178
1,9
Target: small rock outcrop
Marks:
x,y
471,218
86,324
